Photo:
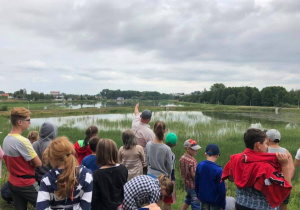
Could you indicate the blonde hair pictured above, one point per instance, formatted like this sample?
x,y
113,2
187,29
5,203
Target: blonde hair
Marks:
x,y
17,113
61,151
106,152
33,136
166,182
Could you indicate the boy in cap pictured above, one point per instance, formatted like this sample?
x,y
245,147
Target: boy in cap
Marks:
x,y
274,137
171,141
188,166
210,191
142,131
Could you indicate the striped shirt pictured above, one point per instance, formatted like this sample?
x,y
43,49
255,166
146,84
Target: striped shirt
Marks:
x,y
18,151
82,192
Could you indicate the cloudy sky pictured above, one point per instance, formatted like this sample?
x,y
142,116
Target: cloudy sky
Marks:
x,y
84,46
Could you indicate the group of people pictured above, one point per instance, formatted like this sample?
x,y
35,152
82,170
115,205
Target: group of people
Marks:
x,y
53,173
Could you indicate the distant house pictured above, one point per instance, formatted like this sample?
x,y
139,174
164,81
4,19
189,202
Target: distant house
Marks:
x,y
57,95
120,99
5,95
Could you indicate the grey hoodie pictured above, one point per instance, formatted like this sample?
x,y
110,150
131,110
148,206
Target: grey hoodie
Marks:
x,y
48,132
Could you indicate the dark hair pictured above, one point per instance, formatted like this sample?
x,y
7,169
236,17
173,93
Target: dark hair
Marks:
x,y
106,152
93,143
89,132
129,140
253,135
159,129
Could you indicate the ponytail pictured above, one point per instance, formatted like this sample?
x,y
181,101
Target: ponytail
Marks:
x,y
61,152
166,182
159,130
89,133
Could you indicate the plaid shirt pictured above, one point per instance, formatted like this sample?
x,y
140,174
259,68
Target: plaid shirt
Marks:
x,y
252,198
139,191
188,166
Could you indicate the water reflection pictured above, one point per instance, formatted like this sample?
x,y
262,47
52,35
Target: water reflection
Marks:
x,y
103,104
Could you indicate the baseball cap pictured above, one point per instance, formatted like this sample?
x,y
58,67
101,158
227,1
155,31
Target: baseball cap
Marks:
x,y
191,143
146,114
273,135
212,149
171,139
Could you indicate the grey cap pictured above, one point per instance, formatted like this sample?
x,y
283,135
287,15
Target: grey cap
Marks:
x,y
191,143
273,135
146,114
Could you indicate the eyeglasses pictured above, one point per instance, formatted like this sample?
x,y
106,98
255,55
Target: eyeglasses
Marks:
x,y
28,120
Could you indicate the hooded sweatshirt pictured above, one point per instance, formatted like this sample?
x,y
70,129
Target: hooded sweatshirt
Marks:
x,y
48,132
81,150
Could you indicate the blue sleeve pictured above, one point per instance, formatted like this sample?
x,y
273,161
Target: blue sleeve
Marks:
x,y
197,174
222,191
43,199
86,198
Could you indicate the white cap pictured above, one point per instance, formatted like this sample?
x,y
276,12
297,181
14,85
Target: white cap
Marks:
x,y
273,135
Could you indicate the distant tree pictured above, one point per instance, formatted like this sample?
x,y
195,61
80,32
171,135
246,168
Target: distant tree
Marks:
x,y
266,97
230,100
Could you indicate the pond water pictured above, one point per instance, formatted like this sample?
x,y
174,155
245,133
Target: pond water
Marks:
x,y
190,123
103,104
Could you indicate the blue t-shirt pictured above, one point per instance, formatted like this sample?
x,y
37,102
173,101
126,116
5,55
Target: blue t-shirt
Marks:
x,y
90,162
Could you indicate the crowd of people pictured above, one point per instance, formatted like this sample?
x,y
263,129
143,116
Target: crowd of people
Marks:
x,y
50,172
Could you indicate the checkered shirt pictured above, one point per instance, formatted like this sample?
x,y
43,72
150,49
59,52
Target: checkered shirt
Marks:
x,y
139,191
252,198
188,166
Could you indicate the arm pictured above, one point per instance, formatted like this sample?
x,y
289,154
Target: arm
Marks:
x,y
284,162
291,164
36,162
86,197
43,198
136,108
197,174
1,153
142,156
120,154
297,159
221,191
169,162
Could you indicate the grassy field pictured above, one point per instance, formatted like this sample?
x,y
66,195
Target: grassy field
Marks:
x,y
230,142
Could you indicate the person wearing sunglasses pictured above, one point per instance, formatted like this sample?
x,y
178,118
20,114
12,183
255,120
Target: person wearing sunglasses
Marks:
x,y
21,160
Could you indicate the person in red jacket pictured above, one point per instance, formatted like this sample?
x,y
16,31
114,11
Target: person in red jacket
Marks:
x,y
82,147
262,179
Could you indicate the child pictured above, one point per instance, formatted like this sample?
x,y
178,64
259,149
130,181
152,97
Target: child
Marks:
x,y
188,166
159,155
67,185
171,141
90,160
82,147
131,155
108,191
146,189
33,136
210,191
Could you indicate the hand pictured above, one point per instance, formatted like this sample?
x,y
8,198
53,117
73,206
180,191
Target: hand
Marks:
x,y
153,206
282,159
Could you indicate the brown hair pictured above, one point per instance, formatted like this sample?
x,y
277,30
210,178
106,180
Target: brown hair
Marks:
x,y
33,136
61,151
166,182
106,152
93,143
18,113
129,140
159,130
89,132
253,135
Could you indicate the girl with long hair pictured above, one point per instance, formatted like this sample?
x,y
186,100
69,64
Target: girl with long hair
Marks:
x,y
159,155
109,179
82,147
67,185
131,155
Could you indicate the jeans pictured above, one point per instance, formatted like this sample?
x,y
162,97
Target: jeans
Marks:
x,y
205,206
191,199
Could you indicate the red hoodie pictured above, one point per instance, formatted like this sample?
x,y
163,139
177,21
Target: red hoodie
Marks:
x,y
261,170
81,150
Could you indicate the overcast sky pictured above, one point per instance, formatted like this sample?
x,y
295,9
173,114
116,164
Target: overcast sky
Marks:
x,y
169,46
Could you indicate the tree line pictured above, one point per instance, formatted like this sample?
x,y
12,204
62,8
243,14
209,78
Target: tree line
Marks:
x,y
249,96
218,94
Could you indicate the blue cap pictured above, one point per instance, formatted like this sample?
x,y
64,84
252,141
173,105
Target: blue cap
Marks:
x,y
212,149
146,114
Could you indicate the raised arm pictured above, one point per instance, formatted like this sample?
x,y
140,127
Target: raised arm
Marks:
x,y
136,109
284,162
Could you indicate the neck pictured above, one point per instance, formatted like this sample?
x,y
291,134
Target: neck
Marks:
x,y
273,145
16,130
211,158
157,141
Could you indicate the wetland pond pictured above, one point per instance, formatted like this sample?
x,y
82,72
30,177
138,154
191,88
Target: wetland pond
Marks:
x,y
194,124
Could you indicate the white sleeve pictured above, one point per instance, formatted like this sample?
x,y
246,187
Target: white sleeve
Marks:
x,y
298,155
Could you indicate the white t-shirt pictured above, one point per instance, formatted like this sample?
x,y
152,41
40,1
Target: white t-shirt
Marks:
x,y
230,203
298,155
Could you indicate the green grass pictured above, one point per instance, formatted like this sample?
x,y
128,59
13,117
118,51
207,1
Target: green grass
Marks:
x,y
227,133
